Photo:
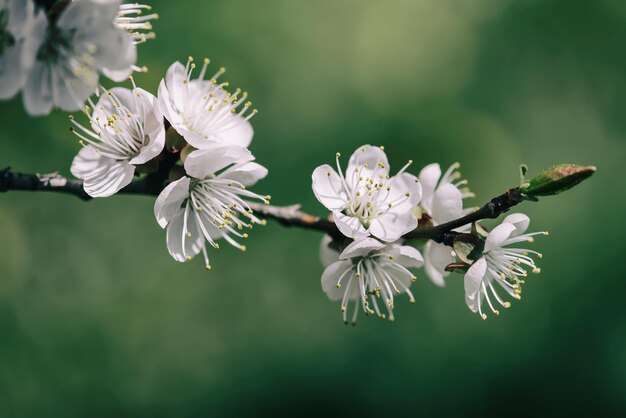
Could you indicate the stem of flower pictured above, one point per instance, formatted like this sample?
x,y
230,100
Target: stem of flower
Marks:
x,y
291,215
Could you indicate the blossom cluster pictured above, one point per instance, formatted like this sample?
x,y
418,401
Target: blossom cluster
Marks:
x,y
374,210
207,136
190,143
56,55
195,131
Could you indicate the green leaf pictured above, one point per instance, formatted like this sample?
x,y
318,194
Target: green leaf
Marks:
x,y
468,247
556,179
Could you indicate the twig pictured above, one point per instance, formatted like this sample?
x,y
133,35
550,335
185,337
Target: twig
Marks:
x,y
444,233
291,215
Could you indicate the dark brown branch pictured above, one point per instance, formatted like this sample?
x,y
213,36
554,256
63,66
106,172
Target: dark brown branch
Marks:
x,y
444,233
51,182
152,185
292,216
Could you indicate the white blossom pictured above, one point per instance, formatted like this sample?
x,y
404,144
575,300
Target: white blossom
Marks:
x,y
125,130
366,200
212,204
21,31
368,272
84,41
131,18
442,201
202,111
501,264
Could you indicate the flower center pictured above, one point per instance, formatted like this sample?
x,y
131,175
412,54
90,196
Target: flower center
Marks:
x,y
368,191
55,45
218,203
119,135
209,110
364,209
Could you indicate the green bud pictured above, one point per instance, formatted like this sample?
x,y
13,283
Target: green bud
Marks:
x,y
468,247
173,141
557,179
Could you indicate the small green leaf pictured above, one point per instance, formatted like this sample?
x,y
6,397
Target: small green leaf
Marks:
x,y
468,247
557,179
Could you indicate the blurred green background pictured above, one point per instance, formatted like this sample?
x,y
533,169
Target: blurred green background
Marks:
x,y
97,320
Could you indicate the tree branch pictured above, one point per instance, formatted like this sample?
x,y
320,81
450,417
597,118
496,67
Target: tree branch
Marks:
x,y
291,215
444,233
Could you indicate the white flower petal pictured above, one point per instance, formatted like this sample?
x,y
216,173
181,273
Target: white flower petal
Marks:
x,y
101,176
371,162
166,105
86,162
174,83
11,73
474,303
37,93
180,246
152,118
240,133
119,75
170,200
447,204
87,13
498,236
328,188
429,177
28,30
115,52
473,279
401,186
331,276
349,226
391,226
69,91
360,248
247,174
520,221
201,163
328,255
409,257
436,258
121,69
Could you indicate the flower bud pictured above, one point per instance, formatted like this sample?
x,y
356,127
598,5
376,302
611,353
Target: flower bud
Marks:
x,y
557,179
